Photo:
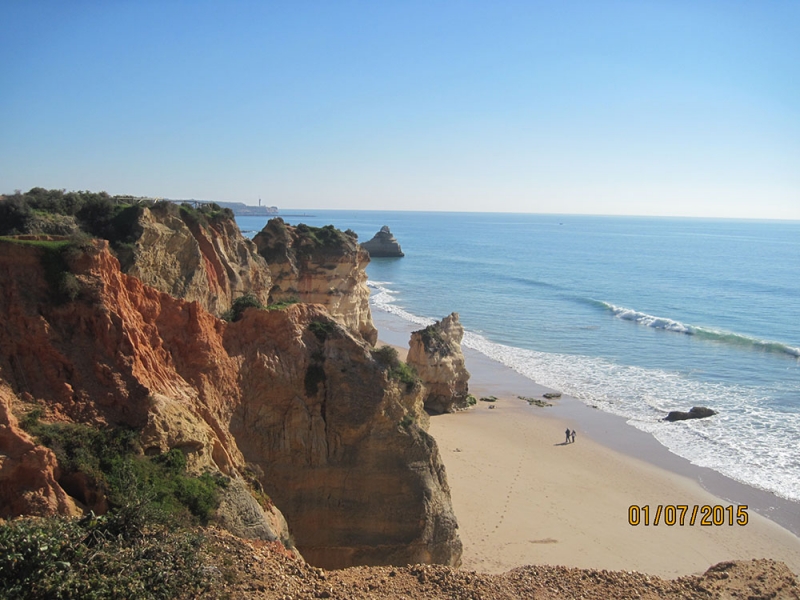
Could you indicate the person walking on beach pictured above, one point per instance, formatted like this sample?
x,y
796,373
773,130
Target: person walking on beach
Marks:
x,y
568,434
573,436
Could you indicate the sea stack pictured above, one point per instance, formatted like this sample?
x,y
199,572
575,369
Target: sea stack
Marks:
x,y
435,353
383,245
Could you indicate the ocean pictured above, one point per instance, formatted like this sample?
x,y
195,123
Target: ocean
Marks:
x,y
636,316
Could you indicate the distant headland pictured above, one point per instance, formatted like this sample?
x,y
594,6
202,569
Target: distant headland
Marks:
x,y
240,209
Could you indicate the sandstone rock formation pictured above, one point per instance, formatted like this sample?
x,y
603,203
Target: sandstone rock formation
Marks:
x,y
319,265
28,472
187,256
696,412
383,244
290,395
435,353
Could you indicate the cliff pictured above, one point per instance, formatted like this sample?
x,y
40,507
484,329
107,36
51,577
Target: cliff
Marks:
x,y
383,244
319,265
188,255
287,400
435,353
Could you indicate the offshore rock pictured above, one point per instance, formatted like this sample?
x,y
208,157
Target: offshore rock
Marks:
x,y
383,244
288,397
184,254
435,353
696,412
319,265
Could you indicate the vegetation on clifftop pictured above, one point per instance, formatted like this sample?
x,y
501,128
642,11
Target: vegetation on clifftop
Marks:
x,y
112,218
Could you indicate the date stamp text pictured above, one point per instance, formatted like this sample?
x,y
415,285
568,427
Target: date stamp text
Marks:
x,y
683,514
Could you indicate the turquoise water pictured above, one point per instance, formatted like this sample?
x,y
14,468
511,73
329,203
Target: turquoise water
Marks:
x,y
637,316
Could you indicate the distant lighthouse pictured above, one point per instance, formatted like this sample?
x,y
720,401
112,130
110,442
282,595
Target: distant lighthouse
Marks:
x,y
259,201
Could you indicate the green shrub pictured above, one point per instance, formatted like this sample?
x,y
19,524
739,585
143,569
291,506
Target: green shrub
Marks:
x,y
15,215
321,329
386,356
283,304
433,340
241,304
406,421
398,370
62,558
325,239
471,400
139,489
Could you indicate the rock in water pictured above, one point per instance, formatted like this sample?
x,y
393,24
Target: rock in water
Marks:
x,y
383,244
435,352
696,412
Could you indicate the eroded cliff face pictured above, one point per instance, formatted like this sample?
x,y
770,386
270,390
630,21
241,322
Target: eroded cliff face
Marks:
x,y
194,258
28,472
339,444
435,352
319,265
289,395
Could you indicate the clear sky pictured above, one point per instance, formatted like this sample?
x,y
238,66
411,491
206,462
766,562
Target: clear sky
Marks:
x,y
602,107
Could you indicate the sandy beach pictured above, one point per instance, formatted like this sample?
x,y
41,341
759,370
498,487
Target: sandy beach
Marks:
x,y
522,496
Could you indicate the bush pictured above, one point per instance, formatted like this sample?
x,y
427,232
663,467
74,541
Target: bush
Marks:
x,y
398,370
241,304
15,214
325,239
139,490
283,304
61,558
321,329
433,341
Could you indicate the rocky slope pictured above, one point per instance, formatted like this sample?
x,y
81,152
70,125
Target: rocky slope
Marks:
x,y
267,572
435,353
319,265
288,396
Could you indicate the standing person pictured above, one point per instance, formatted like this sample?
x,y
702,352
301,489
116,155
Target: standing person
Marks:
x,y
573,436
568,434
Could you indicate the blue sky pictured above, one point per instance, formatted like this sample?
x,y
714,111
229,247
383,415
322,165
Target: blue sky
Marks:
x,y
599,107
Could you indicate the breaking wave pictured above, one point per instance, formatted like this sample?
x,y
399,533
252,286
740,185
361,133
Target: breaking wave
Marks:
x,y
707,333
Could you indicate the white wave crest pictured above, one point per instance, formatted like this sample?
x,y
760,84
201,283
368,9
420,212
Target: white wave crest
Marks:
x,y
628,314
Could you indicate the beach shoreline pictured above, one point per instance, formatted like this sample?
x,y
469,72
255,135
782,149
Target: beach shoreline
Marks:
x,y
523,496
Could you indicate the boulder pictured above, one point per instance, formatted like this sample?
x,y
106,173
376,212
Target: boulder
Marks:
x,y
696,412
383,245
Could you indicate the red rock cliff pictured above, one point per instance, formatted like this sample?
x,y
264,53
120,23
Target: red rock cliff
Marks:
x,y
290,391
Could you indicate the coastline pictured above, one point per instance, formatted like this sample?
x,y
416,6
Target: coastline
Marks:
x,y
524,497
